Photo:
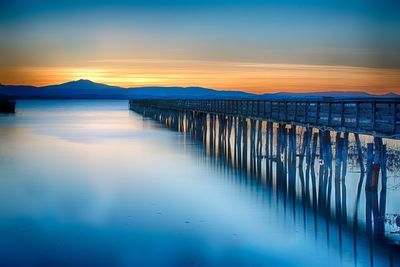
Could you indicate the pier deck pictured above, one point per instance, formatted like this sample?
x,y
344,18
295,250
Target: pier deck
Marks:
x,y
379,117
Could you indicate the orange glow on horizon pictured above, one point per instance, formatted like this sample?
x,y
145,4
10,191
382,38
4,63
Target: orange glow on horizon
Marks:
x,y
243,76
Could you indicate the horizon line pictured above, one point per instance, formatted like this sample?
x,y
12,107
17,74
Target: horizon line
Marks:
x,y
207,88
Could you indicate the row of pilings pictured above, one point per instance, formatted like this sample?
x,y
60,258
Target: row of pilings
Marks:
x,y
302,163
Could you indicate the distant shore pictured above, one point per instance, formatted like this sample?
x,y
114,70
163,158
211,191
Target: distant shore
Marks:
x,y
7,105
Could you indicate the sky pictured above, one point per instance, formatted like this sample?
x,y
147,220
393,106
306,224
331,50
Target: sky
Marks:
x,y
258,46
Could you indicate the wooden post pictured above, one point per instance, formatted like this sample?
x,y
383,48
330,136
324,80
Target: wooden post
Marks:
x,y
292,162
370,160
267,150
313,176
239,142
328,169
259,139
321,182
345,153
259,146
360,154
284,156
271,147
278,157
338,171
211,118
372,183
382,199
235,137
221,133
229,134
304,145
245,142
308,159
252,144
203,119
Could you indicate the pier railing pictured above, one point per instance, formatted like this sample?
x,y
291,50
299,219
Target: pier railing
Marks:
x,y
377,116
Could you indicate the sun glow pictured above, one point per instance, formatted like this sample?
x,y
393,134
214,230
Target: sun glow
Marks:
x,y
246,76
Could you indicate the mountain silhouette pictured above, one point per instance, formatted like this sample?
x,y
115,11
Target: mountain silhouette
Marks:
x,y
86,89
81,84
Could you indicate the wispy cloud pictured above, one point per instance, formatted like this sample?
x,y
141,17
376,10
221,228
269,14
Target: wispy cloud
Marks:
x,y
224,75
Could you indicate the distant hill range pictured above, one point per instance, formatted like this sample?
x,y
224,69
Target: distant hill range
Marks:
x,y
86,89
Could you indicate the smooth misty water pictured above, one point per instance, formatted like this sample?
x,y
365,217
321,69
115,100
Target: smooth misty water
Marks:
x,y
90,183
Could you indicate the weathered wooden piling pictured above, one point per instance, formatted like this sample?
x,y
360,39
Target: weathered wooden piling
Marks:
x,y
235,140
270,137
284,158
308,134
382,200
321,172
239,142
328,165
338,171
229,135
212,128
259,147
312,164
379,117
245,145
244,139
252,145
292,155
345,153
301,161
279,154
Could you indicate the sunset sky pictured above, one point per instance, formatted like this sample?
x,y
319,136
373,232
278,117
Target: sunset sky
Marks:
x,y
257,46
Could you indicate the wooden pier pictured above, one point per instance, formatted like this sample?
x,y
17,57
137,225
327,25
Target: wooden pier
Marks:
x,y
379,117
300,147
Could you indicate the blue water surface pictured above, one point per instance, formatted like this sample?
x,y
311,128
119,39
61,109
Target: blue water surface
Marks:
x,y
90,183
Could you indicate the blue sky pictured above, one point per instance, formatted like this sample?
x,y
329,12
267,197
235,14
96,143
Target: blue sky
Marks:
x,y
68,33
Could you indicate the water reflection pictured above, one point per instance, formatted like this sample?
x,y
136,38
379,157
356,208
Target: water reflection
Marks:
x,y
305,173
88,183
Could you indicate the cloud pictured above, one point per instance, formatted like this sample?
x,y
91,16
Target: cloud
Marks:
x,y
223,75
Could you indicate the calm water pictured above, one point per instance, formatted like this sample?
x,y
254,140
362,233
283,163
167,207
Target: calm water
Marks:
x,y
90,183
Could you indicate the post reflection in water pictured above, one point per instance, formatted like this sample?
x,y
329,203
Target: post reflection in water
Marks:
x,y
303,172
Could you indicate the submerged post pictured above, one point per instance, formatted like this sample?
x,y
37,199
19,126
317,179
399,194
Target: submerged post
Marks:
x,y
214,122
